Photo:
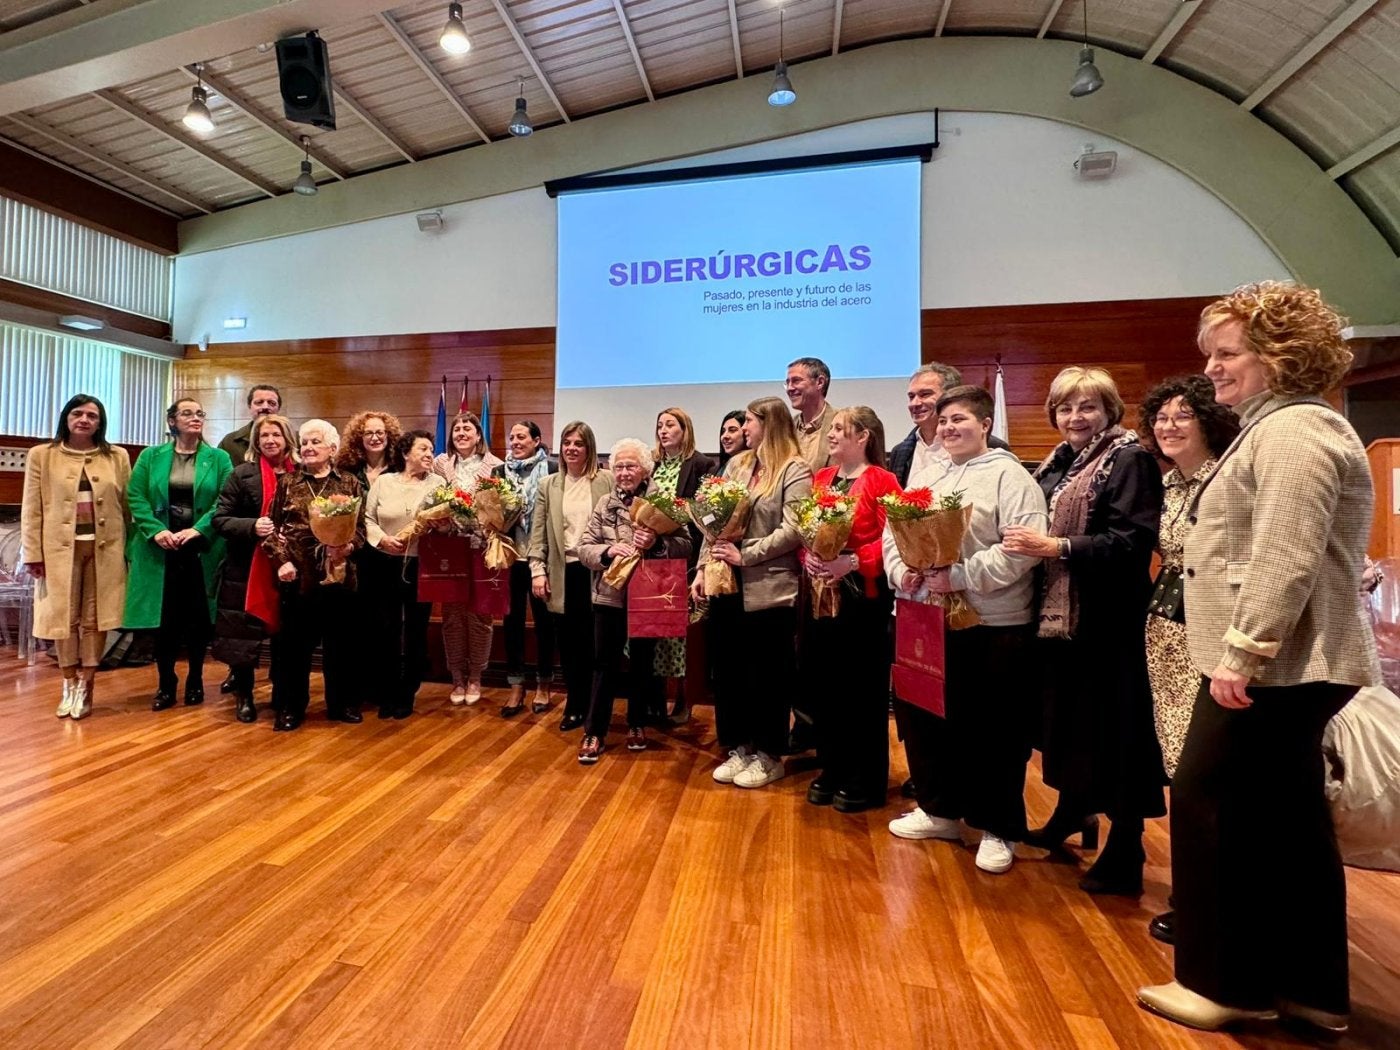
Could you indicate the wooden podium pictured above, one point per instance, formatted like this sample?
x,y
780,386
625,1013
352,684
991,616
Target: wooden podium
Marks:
x,y
1384,456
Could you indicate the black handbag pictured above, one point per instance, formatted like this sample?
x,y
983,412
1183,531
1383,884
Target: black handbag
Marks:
x,y
1168,596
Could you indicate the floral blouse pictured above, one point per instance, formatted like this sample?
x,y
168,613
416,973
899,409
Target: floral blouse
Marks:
x,y
291,539
665,475
1177,496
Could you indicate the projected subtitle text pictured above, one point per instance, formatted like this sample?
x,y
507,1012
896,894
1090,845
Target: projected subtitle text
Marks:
x,y
803,297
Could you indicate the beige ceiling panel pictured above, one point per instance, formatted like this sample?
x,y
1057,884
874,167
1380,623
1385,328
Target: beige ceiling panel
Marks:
x,y
16,13
864,21
683,46
1236,44
1376,187
992,16
806,31
1129,26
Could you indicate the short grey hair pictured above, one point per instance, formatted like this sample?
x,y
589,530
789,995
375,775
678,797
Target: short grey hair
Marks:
x,y
950,376
328,433
638,448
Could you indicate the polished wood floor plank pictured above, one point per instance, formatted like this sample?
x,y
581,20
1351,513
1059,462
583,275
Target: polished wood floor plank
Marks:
x,y
179,880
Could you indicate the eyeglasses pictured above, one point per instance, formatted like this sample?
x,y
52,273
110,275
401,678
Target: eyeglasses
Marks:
x,y
190,413
1181,419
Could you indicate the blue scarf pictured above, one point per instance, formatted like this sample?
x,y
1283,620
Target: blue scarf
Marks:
x,y
528,474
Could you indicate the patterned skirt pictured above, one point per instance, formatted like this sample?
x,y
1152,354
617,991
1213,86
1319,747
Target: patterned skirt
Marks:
x,y
1175,683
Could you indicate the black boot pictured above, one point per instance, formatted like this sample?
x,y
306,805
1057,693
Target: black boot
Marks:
x,y
1063,823
246,710
1118,869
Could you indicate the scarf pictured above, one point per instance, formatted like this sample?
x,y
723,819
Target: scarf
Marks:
x,y
1071,504
529,473
262,599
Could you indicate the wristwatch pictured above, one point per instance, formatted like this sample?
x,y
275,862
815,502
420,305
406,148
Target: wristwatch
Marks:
x,y
1064,548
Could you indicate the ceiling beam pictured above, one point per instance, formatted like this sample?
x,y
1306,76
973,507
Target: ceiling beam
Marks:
x,y
632,46
124,105
430,71
1308,52
250,109
836,26
1365,154
734,38
64,139
1178,20
375,125
942,17
1055,6
530,58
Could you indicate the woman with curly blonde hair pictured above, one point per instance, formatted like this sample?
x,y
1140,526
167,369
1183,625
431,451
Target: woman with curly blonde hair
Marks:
x,y
1276,628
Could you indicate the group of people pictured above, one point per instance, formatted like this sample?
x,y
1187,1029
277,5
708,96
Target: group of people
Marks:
x,y
1219,673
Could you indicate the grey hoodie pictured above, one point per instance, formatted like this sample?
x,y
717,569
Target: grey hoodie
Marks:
x,y
1000,586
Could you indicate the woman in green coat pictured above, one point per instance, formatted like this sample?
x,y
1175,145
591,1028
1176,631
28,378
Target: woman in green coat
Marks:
x,y
173,550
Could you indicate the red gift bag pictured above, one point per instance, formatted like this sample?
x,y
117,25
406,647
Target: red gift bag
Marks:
x,y
658,603
919,655
490,588
444,568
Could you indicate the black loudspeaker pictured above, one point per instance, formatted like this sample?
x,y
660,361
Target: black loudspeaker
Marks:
x,y
304,73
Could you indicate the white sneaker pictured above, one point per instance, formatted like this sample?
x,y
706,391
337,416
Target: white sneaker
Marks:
x,y
994,854
65,706
473,693
761,770
459,694
82,703
916,824
732,766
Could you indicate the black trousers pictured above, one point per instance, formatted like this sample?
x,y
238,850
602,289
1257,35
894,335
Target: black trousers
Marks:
x,y
1249,788
846,659
184,618
520,596
971,764
325,615
755,669
574,631
396,649
609,638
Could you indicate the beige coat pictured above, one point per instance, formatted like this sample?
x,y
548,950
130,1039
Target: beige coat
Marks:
x,y
771,572
47,526
546,550
1274,553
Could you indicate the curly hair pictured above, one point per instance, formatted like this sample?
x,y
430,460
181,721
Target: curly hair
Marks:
x,y
1295,334
352,442
1219,424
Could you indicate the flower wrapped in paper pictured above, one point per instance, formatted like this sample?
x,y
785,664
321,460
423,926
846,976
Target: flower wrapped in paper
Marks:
x,y
663,515
445,506
928,534
498,505
824,519
720,510
333,520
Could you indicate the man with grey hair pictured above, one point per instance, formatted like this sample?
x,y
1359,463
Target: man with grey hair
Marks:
x,y
921,453
808,381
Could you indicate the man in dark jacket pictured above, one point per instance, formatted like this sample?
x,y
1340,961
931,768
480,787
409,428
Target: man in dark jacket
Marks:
x,y
263,400
926,386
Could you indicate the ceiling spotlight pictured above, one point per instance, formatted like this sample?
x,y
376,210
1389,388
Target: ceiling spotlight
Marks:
x,y
454,34
197,116
305,184
1087,78
782,93
520,124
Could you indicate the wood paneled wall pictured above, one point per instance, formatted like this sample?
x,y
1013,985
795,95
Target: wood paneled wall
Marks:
x,y
1139,341
12,481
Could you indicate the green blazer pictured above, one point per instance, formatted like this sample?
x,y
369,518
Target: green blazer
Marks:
x,y
148,496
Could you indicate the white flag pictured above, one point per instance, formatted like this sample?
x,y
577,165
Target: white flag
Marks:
x,y
1000,427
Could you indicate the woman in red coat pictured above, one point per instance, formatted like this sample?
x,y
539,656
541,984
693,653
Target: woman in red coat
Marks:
x,y
849,654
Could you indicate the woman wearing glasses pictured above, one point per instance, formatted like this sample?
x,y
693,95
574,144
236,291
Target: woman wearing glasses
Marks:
x,y
173,549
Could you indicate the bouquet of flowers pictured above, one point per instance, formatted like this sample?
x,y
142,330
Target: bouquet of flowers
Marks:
x,y
720,510
663,515
928,533
333,520
498,505
824,518
445,505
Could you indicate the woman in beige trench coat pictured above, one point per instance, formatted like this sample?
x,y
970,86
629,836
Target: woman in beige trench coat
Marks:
x,y
73,526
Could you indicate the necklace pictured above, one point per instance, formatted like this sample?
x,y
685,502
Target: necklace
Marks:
x,y
314,491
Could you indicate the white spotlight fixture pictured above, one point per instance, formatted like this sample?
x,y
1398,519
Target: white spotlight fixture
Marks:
x,y
454,34
197,117
782,93
305,184
1087,78
520,124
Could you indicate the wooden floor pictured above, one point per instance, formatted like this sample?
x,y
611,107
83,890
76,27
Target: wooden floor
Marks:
x,y
457,880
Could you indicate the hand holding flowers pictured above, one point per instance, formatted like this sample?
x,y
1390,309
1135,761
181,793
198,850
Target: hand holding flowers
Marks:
x,y
825,518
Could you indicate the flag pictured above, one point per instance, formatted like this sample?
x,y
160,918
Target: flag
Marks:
x,y
441,439
486,413
1000,427
463,407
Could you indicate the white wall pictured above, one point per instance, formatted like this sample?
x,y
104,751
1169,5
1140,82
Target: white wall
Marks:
x,y
1005,220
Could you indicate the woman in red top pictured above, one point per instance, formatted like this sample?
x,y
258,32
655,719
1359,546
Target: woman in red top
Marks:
x,y
846,658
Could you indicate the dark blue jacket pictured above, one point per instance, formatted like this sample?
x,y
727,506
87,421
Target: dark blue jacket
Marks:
x,y
902,455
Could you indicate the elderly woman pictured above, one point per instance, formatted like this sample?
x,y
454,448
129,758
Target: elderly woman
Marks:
x,y
173,550
1098,745
557,577
1278,631
466,636
249,606
73,530
610,534
397,619
754,655
312,610
527,465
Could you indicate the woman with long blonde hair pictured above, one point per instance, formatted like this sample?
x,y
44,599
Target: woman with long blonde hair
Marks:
x,y
751,708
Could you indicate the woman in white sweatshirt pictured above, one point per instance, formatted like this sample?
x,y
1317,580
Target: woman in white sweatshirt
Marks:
x,y
971,764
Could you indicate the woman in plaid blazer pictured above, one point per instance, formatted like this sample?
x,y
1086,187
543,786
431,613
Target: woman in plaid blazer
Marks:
x,y
1276,628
